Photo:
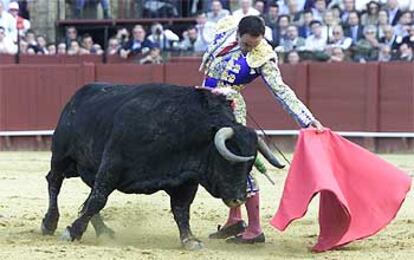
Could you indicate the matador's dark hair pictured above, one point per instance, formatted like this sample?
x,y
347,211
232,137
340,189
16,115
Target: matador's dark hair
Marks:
x,y
252,25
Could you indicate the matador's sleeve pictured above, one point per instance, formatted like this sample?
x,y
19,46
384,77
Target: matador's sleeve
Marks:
x,y
270,73
225,31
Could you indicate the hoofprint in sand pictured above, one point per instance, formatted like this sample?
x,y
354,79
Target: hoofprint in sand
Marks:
x,y
145,228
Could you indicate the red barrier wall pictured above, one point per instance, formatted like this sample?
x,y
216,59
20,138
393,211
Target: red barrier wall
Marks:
x,y
32,96
345,96
184,73
396,97
7,59
60,59
338,94
129,73
263,107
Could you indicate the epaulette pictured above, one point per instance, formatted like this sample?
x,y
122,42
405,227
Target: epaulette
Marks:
x,y
226,24
260,55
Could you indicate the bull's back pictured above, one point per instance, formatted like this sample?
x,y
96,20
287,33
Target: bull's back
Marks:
x,y
155,120
88,113
87,120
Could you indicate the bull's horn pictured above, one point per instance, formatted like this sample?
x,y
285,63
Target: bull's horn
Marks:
x,y
220,138
267,153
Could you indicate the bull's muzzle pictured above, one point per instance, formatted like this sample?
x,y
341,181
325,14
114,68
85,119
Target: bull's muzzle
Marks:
x,y
234,203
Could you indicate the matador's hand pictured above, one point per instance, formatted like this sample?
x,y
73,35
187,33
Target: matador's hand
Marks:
x,y
319,127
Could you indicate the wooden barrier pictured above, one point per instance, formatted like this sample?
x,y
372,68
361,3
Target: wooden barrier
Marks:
x,y
32,96
7,59
60,59
396,97
263,106
348,97
129,73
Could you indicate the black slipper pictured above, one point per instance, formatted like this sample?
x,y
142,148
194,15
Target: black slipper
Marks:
x,y
232,230
240,240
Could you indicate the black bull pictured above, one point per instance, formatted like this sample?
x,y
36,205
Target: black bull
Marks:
x,y
142,139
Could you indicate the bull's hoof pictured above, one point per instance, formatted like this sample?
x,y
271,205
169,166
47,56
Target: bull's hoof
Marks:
x,y
66,235
49,223
192,244
45,230
48,227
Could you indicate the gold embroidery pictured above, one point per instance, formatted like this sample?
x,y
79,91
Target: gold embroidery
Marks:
x,y
260,55
236,68
225,24
229,64
224,75
231,78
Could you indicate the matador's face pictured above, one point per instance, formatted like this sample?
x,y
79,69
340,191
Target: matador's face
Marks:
x,y
248,42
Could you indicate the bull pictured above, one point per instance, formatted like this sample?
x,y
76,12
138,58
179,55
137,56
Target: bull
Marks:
x,y
147,138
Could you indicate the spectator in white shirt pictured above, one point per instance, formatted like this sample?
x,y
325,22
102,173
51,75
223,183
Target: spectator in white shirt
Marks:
x,y
339,40
316,41
217,12
245,10
6,44
14,11
284,5
7,21
165,39
189,38
205,33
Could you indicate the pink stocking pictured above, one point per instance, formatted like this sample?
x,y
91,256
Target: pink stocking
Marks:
x,y
253,212
234,216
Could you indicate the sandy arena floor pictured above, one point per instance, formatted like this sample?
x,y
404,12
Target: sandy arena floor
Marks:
x,y
145,228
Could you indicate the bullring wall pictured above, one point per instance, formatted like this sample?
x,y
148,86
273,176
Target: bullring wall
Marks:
x,y
372,97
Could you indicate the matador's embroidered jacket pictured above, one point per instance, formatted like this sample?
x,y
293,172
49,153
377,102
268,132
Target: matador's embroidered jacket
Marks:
x,y
227,68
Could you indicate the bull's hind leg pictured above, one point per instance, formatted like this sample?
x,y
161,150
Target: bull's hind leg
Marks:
x,y
103,187
97,221
181,199
100,227
54,178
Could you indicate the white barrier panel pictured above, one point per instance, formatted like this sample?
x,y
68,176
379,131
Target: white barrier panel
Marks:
x,y
27,133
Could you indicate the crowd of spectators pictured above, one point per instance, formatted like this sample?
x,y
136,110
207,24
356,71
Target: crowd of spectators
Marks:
x,y
321,30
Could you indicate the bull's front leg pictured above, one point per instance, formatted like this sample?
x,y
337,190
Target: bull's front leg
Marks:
x,y
181,199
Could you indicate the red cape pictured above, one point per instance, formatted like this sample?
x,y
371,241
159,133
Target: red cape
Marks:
x,y
359,192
